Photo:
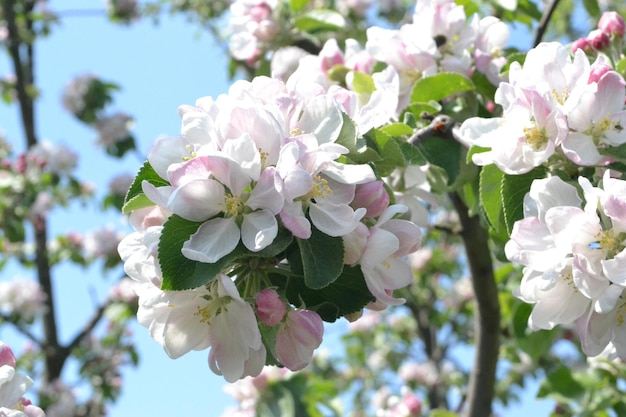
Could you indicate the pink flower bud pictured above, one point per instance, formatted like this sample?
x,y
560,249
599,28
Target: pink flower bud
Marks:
x,y
412,404
582,43
599,39
298,337
6,356
612,23
270,309
597,71
373,197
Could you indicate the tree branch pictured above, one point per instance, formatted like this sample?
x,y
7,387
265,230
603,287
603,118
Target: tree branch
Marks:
x,y
545,20
481,387
483,376
21,329
22,55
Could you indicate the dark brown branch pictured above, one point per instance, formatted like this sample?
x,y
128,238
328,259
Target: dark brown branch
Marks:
x,y
545,20
482,382
434,351
481,389
22,54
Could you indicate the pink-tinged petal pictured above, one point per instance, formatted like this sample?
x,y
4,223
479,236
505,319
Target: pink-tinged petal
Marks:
x,y
229,173
615,207
587,276
297,183
264,195
531,245
335,219
194,169
381,245
349,174
292,217
197,200
258,230
299,336
197,126
581,149
167,151
244,152
569,225
182,333
322,117
561,305
615,269
6,356
409,235
213,240
595,331
158,195
270,309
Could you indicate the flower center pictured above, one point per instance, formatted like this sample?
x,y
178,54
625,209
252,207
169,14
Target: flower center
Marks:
x,y
319,190
610,243
234,205
536,137
560,97
599,129
192,153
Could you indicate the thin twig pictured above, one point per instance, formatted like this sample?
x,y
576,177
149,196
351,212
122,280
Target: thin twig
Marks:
x,y
21,329
545,20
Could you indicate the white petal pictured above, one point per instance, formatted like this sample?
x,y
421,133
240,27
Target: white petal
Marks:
x,y
197,200
213,240
258,230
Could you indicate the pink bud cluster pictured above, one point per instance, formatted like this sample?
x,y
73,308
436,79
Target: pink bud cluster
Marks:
x,y
610,27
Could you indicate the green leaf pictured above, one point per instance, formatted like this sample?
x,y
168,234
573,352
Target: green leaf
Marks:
x,y
440,86
320,20
180,273
419,109
451,157
322,258
617,152
363,83
514,188
491,197
388,149
397,129
297,5
442,413
621,67
592,7
348,134
412,155
147,173
560,385
346,295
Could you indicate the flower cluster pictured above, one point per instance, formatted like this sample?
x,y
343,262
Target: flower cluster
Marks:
x,y
22,298
13,386
553,107
440,38
610,32
254,192
252,23
87,96
574,259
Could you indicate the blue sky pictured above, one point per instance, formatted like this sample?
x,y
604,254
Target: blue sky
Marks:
x,y
159,67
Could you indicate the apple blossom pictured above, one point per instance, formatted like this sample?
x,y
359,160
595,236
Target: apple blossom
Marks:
x,y
13,386
269,307
298,337
22,298
612,23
